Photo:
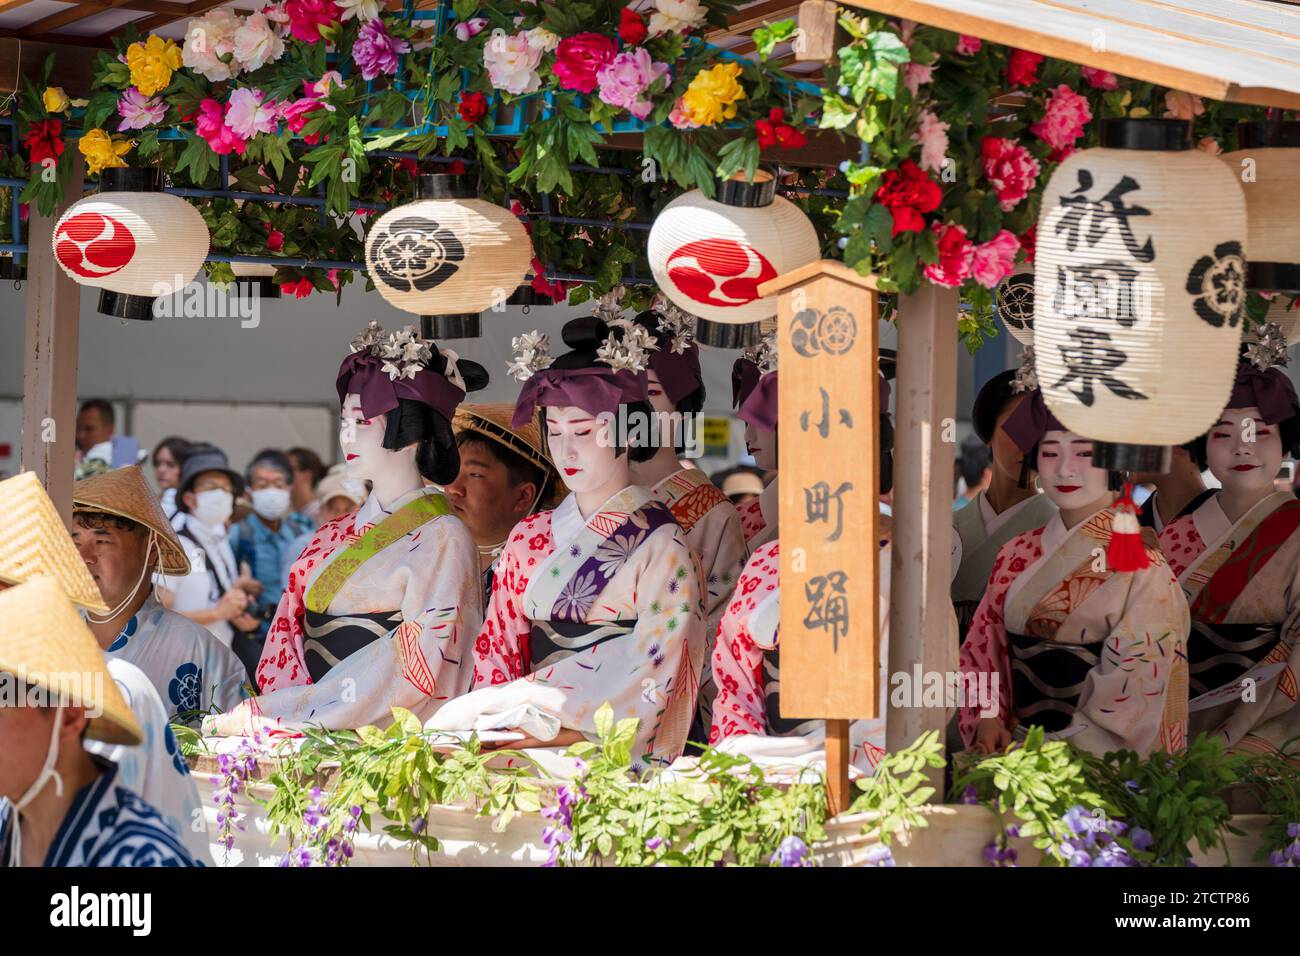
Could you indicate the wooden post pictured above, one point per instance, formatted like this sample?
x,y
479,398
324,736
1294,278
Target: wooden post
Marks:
x,y
829,467
50,359
920,606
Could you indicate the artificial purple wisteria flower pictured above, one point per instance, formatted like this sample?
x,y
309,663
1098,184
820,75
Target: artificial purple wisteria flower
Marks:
x,y
792,852
376,50
880,855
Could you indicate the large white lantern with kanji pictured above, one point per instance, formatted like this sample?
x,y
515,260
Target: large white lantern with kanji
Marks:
x,y
448,256
1267,164
1140,285
709,256
132,240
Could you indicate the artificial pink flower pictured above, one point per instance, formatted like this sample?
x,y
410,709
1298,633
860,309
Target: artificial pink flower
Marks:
x,y
296,114
626,78
470,28
1067,114
579,58
932,134
375,51
1010,170
1208,144
24,211
1100,79
321,88
333,276
956,255
211,125
994,260
1184,106
1022,67
247,115
275,240
906,28
138,111
915,76
680,118
306,17
968,45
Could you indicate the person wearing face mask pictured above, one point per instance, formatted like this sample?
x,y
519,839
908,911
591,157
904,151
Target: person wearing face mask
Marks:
x,y
755,371
383,605
61,805
214,593
124,538
262,543
1072,641
1237,558
600,600
675,387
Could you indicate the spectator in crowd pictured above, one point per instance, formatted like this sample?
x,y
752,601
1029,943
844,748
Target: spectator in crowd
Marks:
x,y
98,448
214,593
308,472
262,542
973,469
337,495
95,424
167,456
740,484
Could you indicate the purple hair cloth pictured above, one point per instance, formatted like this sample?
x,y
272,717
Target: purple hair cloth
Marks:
x,y
1269,390
364,374
679,374
759,407
744,376
595,390
1031,420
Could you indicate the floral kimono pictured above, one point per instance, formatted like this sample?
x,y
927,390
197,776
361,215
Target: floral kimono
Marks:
x,y
610,609
1242,583
758,518
1089,654
747,667
379,613
712,529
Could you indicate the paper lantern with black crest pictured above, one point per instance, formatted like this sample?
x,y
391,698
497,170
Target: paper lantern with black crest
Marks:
x,y
446,255
1140,286
132,240
709,256
1014,302
1267,164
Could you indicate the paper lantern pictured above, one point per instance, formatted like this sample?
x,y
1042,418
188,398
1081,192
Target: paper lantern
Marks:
x,y
1268,167
256,278
1139,291
709,256
446,254
1014,302
132,240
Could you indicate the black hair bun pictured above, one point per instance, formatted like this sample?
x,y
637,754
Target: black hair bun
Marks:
x,y
475,375
585,333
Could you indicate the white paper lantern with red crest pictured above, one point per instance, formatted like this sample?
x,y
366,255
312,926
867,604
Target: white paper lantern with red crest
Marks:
x,y
448,256
709,256
1140,287
132,240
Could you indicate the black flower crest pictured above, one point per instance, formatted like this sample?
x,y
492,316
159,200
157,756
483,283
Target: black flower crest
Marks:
x,y
415,254
1218,285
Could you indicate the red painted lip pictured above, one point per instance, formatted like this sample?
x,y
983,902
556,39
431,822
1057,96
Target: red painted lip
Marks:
x,y
1244,467
570,472
1068,489
350,457
750,450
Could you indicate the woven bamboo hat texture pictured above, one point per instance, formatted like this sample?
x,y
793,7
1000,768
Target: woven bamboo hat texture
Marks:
x,y
124,492
45,642
35,541
492,420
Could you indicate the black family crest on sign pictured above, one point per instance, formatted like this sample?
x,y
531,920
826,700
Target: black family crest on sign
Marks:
x,y
1218,285
833,331
414,254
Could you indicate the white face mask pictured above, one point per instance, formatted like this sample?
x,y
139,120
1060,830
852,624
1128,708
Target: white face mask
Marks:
x,y
47,773
213,507
271,503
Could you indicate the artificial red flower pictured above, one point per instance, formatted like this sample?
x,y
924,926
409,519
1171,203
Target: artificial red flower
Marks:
x,y
1029,241
775,130
409,166
579,58
1022,67
908,193
44,140
472,107
275,240
791,138
631,28
299,289
956,256
455,168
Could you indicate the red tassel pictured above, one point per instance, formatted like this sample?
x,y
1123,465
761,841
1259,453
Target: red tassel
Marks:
x,y
1126,551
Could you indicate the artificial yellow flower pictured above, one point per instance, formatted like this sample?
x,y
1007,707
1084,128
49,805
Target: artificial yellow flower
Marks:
x,y
56,101
713,94
101,151
152,63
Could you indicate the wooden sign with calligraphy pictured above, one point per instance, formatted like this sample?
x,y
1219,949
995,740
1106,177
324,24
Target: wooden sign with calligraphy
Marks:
x,y
829,480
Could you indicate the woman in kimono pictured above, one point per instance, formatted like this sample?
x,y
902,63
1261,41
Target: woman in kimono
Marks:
x,y
600,600
1237,558
675,386
754,377
382,606
1077,644
747,716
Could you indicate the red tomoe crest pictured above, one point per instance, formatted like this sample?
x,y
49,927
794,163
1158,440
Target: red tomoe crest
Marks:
x,y
721,272
93,245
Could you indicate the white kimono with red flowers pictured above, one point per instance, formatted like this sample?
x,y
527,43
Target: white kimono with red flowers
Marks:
x,y
1242,583
758,517
584,612
1092,655
421,595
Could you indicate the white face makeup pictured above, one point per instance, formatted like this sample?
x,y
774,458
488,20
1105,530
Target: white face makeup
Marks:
x,y
762,445
1066,472
581,448
361,440
1243,452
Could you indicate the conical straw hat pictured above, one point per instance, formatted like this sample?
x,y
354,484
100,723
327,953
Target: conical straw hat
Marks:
x,y
36,542
125,493
492,420
44,642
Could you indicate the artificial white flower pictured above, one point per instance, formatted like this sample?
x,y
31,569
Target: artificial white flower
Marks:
x,y
540,38
532,354
363,10
210,45
677,16
257,43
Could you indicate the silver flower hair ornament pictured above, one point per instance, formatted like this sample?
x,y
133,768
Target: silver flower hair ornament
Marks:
x,y
405,355
1269,348
532,354
609,306
678,325
1026,379
628,346
763,354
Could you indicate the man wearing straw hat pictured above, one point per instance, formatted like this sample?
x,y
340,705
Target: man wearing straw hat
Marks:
x,y
36,544
59,804
124,538
504,477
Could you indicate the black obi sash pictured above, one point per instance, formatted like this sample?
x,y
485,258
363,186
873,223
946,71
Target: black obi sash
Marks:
x,y
1220,654
331,638
965,615
1047,678
777,725
553,641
